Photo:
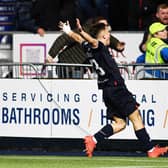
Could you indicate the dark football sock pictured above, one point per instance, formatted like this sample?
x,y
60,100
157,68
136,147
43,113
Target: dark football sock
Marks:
x,y
144,138
105,132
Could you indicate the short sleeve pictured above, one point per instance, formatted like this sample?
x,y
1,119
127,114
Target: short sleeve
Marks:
x,y
86,46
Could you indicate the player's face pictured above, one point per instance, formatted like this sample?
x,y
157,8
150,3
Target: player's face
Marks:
x,y
104,36
162,15
107,36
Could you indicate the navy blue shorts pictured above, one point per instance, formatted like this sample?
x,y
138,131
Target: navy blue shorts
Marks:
x,y
119,102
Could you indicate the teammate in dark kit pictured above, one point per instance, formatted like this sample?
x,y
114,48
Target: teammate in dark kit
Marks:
x,y
118,100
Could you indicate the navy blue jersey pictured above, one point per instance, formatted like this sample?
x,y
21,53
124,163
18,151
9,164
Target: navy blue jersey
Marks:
x,y
104,65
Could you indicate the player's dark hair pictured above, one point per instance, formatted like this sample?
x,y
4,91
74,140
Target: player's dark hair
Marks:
x,y
96,28
91,22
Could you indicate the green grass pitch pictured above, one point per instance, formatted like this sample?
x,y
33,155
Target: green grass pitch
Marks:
x,y
81,162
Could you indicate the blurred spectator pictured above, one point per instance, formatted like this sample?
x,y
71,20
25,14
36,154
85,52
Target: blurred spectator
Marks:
x,y
48,13
24,20
157,48
16,16
87,9
161,16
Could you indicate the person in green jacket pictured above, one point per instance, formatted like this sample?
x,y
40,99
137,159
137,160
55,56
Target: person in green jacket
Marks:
x,y
157,48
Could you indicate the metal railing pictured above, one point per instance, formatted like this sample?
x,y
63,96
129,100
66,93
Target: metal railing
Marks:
x,y
78,71
150,71
17,70
40,70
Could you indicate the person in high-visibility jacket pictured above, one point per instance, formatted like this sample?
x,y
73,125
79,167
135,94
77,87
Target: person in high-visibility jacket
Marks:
x,y
157,48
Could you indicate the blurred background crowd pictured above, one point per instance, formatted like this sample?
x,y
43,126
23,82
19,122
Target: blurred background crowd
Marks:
x,y
123,15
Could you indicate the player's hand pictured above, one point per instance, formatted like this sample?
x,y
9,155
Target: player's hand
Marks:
x,y
65,27
79,27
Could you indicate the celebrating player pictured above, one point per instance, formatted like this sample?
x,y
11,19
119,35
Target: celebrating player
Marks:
x,y
118,100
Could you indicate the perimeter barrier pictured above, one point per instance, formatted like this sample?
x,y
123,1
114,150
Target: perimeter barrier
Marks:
x,y
79,71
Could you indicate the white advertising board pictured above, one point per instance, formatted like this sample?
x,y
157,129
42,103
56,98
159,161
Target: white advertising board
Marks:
x,y
31,47
74,108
